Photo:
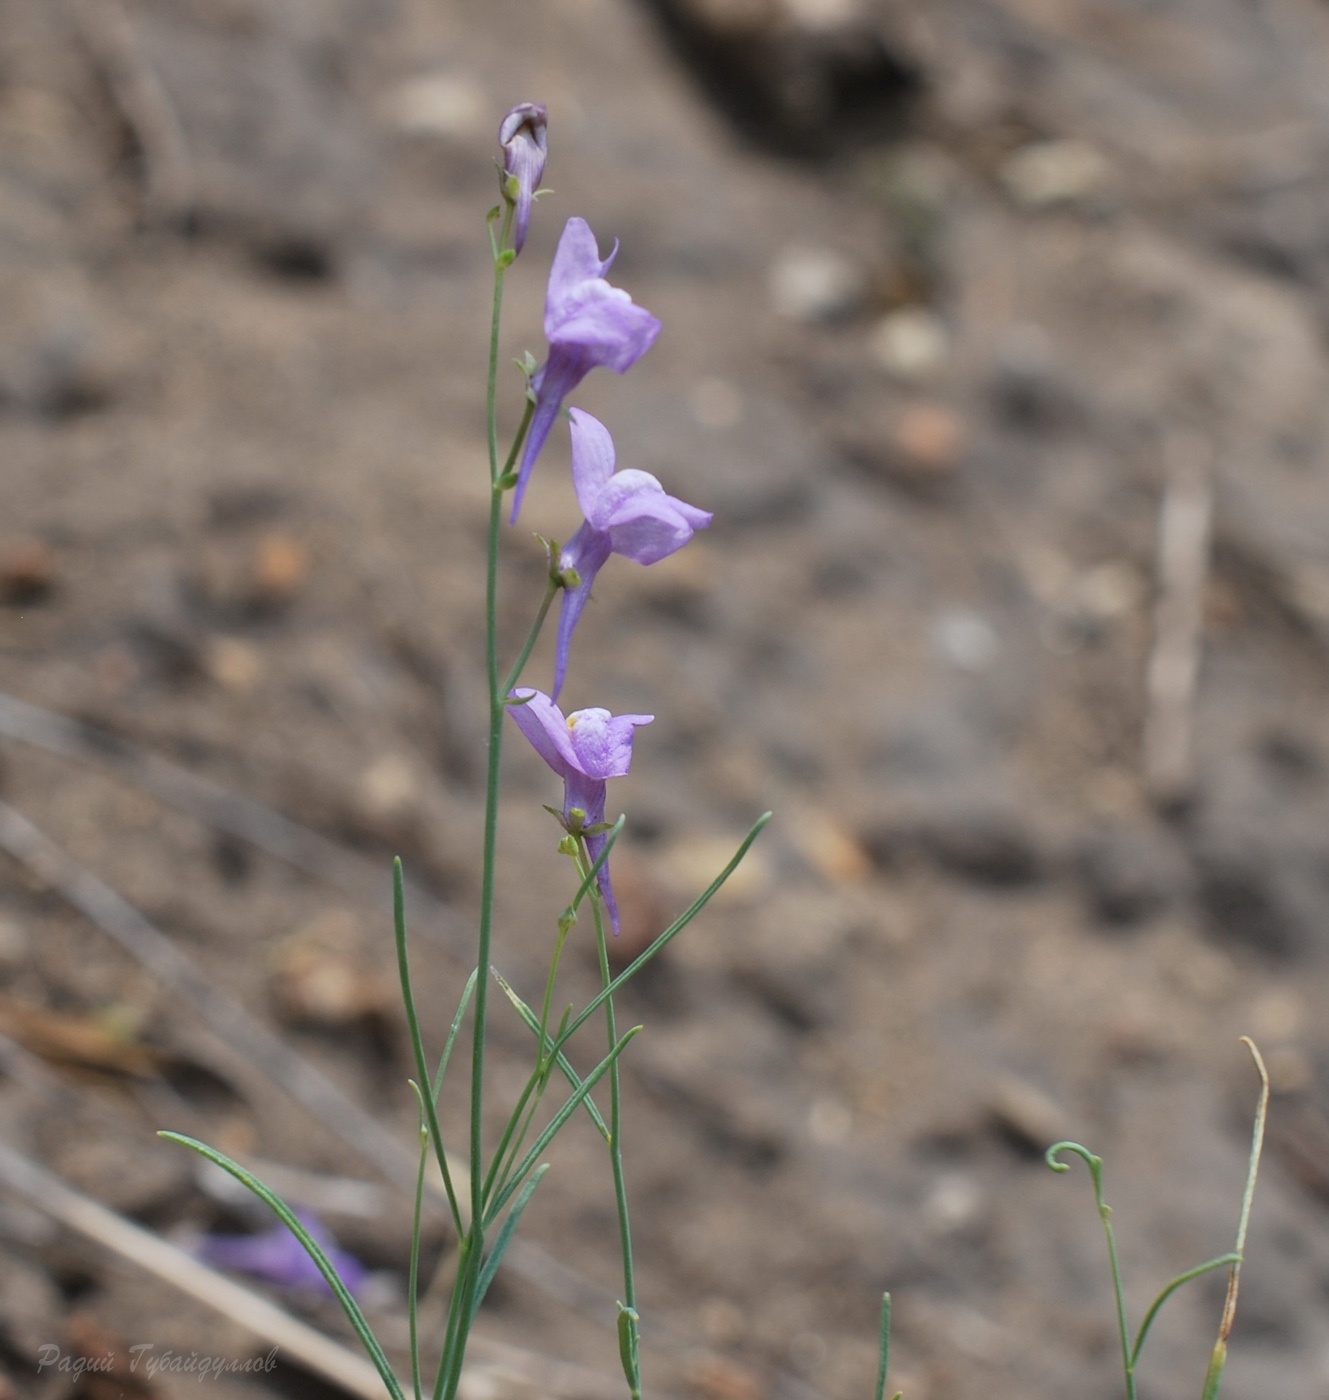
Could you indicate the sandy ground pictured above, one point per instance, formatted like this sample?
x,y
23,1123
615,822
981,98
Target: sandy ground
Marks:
x,y
955,298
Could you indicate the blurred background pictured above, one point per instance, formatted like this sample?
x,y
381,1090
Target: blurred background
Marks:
x,y
994,336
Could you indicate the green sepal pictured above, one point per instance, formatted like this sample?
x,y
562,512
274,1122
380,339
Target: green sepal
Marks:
x,y
505,259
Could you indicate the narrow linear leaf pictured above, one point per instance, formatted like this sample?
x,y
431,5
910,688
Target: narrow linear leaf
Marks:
x,y
884,1346
666,937
417,1043
570,1106
1222,1262
570,1074
413,1269
452,1032
500,1245
288,1218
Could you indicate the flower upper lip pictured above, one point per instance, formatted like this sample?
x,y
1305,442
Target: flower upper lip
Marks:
x,y
627,513
585,749
588,324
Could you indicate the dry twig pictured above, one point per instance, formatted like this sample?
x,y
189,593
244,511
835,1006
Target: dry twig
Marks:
x,y
145,107
345,1369
226,811
243,1033
1183,567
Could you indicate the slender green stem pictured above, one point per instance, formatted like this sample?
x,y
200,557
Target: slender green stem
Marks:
x,y
516,1130
524,655
1218,1357
417,1042
663,939
517,441
555,1125
556,1058
413,1275
496,316
514,1134
1095,1165
472,1245
454,1335
480,1017
884,1349
1128,1357
628,1312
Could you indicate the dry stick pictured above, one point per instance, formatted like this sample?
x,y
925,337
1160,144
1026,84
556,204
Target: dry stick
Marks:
x,y
244,1033
345,1369
227,811
1183,566
145,107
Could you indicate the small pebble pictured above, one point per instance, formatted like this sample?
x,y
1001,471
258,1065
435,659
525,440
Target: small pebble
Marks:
x,y
1047,173
14,944
233,664
389,787
27,572
319,977
281,565
966,640
911,343
1029,1114
833,850
929,439
822,16
693,862
954,1205
815,284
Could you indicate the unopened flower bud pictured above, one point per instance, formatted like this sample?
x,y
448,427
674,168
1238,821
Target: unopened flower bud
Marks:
x,y
525,141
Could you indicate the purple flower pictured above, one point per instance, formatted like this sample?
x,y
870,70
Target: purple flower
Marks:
x,y
587,323
585,749
626,513
278,1257
525,140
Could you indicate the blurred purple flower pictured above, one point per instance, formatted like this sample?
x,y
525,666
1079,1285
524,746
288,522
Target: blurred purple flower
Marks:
x,y
278,1257
585,750
626,512
587,323
525,140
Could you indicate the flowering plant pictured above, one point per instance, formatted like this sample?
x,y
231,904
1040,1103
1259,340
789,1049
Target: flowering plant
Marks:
x,y
588,323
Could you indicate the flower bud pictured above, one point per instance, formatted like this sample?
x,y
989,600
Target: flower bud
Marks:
x,y
525,141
